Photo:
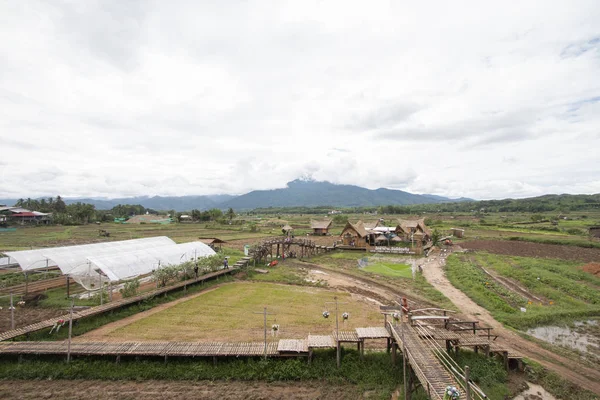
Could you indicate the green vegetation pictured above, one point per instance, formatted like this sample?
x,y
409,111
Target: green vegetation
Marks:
x,y
554,290
16,278
57,300
373,374
389,269
228,313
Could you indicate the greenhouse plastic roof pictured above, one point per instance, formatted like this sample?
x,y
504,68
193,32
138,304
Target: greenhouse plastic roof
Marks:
x,y
127,265
73,259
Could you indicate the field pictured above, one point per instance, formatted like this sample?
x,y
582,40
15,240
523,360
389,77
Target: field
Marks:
x,y
549,290
502,280
228,313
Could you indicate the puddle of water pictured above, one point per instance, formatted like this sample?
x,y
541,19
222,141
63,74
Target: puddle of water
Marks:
x,y
572,338
534,392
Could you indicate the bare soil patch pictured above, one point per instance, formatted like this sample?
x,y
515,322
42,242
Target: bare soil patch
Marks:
x,y
592,268
538,250
27,315
168,390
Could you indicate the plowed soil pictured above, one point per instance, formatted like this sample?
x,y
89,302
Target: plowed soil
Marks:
x,y
168,390
527,249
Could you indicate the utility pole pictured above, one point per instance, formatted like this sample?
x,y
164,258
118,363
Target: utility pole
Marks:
x,y
264,313
337,329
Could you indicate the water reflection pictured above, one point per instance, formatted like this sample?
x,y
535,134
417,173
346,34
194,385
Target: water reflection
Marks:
x,y
576,337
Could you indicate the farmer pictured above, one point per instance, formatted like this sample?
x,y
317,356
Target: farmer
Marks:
x,y
196,270
226,263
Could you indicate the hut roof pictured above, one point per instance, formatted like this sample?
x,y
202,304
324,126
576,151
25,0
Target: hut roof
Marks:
x,y
381,238
358,227
372,225
286,227
320,224
396,239
211,240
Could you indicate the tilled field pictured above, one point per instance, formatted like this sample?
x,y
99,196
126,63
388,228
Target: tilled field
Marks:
x,y
526,249
168,390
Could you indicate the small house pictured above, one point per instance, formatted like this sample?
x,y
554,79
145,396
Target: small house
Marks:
x,y
354,235
213,243
320,227
459,233
406,229
594,231
287,230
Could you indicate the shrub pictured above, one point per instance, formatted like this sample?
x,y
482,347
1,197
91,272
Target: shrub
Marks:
x,y
130,289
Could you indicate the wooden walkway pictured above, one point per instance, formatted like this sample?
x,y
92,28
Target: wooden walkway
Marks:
x,y
432,375
119,303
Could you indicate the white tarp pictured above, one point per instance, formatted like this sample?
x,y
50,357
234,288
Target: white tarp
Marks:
x,y
69,258
128,265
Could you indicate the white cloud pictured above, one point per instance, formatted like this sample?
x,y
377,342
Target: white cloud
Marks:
x,y
465,98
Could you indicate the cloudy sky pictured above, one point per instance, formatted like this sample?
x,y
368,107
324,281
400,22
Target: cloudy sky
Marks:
x,y
120,98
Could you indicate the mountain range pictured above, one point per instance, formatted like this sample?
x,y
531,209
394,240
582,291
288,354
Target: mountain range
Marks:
x,y
297,193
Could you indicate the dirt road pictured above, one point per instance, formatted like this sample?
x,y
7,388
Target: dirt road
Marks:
x,y
585,377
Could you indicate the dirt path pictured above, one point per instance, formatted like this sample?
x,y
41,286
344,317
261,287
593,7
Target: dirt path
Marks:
x,y
585,377
169,390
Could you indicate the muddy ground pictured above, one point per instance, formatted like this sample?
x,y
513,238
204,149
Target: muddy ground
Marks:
x,y
527,249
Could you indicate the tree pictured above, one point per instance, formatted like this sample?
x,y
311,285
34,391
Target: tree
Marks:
x,y
59,205
435,237
230,214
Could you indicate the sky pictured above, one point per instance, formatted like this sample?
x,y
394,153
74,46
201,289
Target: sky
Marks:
x,y
481,99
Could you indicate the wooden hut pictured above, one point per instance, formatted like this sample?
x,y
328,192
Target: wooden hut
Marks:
x,y
354,235
213,243
287,230
407,228
456,232
320,227
594,231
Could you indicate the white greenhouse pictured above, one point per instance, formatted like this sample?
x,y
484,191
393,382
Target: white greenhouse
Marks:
x,y
90,264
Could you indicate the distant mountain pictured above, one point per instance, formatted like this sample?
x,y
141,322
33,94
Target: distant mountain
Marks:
x,y
308,193
177,203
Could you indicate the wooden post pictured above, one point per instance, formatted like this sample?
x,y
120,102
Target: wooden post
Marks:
x,y
362,349
12,313
26,282
468,385
68,288
394,350
505,357
404,366
70,333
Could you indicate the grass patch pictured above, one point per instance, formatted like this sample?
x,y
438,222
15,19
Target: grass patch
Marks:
x,y
227,313
88,324
555,384
389,269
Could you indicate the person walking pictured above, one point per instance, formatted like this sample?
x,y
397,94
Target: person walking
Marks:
x,y
226,263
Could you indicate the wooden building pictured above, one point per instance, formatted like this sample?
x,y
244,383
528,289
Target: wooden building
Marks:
x,y
321,227
406,229
594,231
355,235
213,243
287,230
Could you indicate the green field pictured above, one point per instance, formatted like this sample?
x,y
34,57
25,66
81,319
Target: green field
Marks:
x,y
228,314
389,269
554,290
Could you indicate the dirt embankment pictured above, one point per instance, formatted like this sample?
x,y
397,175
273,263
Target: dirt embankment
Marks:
x,y
169,390
527,249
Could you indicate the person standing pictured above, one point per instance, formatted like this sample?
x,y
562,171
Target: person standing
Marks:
x,y
226,263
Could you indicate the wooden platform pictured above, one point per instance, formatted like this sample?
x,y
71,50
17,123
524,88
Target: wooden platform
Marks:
x,y
173,349
377,332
